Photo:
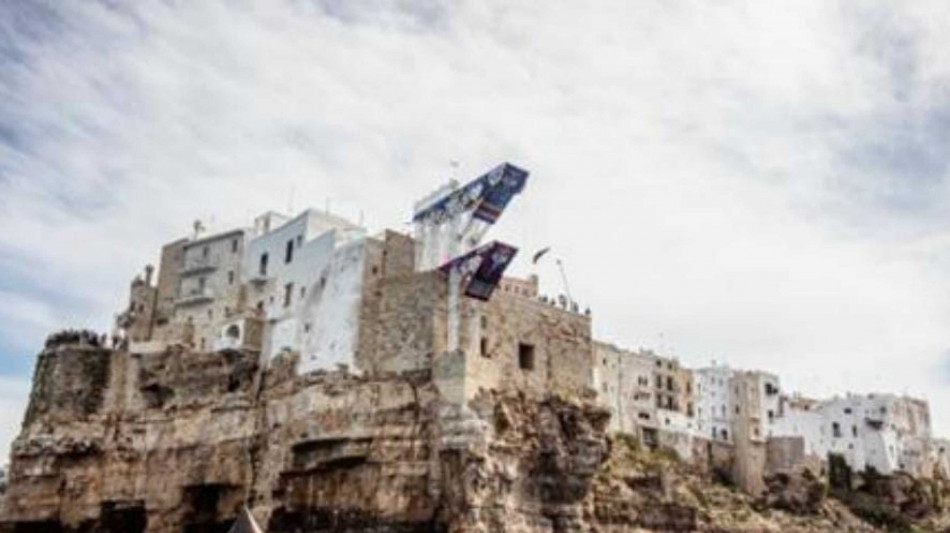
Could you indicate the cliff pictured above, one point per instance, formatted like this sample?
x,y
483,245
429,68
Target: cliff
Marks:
x,y
179,441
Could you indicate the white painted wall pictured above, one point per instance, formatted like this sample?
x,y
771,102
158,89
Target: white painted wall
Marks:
x,y
328,324
716,405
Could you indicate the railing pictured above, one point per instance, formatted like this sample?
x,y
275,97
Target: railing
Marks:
x,y
198,264
195,296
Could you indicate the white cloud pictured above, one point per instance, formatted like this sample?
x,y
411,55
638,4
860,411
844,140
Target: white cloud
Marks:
x,y
754,181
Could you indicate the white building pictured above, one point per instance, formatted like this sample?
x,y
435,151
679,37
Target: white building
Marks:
x,y
882,431
305,280
715,404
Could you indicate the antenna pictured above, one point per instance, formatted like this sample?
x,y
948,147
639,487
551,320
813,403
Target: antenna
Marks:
x,y
567,289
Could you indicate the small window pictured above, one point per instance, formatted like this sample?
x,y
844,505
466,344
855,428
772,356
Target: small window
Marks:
x,y
484,322
483,347
299,241
836,430
205,251
234,246
526,356
306,327
288,294
375,270
263,265
230,277
847,410
289,253
854,431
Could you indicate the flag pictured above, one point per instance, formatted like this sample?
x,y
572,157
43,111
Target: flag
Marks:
x,y
540,254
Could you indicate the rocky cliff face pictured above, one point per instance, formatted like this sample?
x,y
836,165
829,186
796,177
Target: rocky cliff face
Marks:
x,y
179,441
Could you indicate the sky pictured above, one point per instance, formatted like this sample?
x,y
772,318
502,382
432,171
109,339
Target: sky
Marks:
x,y
758,183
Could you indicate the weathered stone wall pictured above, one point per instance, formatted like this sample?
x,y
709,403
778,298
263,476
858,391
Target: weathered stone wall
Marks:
x,y
178,441
499,334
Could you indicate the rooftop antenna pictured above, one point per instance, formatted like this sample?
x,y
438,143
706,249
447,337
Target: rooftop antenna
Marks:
x,y
567,289
198,227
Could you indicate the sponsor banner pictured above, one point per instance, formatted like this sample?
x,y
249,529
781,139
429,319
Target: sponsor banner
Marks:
x,y
482,268
486,196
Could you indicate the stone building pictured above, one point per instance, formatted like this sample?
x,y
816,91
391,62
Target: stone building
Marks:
x,y
210,287
624,380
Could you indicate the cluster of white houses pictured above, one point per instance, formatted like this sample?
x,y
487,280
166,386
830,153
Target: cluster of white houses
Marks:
x,y
652,396
319,286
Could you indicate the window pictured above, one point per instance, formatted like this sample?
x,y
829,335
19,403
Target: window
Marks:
x,y
724,433
201,284
847,410
526,356
483,347
643,416
669,383
234,246
289,253
288,294
303,292
836,430
771,415
230,277
299,241
659,382
484,322
854,431
205,251
263,265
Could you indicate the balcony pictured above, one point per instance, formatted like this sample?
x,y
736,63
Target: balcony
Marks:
x,y
195,296
196,265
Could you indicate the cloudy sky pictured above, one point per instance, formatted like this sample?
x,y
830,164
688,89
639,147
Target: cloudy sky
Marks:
x,y
750,182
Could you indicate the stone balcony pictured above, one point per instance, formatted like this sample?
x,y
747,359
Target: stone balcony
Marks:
x,y
195,296
196,265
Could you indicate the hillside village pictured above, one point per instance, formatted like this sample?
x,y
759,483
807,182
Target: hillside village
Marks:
x,y
318,285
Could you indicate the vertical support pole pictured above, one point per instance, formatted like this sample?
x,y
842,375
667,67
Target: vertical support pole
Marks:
x,y
454,322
